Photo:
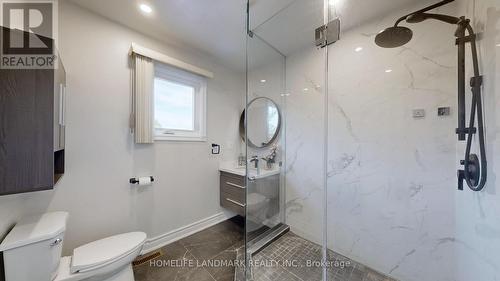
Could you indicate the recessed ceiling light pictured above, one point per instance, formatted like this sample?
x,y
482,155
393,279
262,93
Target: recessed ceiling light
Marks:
x,y
388,70
306,89
358,49
263,81
145,8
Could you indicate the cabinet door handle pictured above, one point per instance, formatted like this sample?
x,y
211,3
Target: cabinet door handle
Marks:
x,y
64,106
234,202
61,104
235,185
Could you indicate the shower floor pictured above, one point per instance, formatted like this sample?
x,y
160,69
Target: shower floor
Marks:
x,y
216,253
305,266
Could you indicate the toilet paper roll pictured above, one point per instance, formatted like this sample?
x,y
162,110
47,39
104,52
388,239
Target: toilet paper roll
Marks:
x,y
145,181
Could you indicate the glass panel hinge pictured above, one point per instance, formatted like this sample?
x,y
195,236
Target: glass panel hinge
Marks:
x,y
327,34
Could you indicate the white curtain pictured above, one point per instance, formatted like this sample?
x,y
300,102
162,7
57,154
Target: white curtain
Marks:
x,y
143,83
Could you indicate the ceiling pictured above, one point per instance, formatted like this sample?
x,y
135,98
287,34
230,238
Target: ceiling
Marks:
x,y
293,28
217,27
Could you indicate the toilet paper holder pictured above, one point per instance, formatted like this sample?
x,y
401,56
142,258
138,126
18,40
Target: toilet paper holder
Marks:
x,y
136,180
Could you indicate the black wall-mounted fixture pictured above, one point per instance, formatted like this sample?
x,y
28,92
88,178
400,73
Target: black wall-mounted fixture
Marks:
x,y
136,180
475,167
215,148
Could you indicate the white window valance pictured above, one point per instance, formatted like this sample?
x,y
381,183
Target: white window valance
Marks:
x,y
157,56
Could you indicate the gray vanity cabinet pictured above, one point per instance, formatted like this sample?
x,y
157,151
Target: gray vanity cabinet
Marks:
x,y
233,192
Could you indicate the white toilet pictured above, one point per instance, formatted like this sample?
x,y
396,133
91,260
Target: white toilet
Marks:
x,y
32,252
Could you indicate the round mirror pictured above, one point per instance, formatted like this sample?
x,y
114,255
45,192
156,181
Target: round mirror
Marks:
x,y
264,122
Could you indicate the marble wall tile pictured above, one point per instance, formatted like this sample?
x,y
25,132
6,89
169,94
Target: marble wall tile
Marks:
x,y
391,176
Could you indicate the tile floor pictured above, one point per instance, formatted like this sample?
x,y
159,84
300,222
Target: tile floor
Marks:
x,y
306,267
188,258
215,254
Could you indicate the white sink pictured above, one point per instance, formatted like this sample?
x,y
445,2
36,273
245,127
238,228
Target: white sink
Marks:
x,y
232,168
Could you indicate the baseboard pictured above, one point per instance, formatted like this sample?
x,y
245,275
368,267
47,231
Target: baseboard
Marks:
x,y
157,242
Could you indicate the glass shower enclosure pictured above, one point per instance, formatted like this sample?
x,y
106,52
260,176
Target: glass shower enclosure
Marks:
x,y
355,170
285,137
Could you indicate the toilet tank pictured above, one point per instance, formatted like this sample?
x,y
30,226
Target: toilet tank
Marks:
x,y
32,249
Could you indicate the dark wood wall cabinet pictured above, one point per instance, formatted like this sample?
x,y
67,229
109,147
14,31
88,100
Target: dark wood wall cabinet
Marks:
x,y
32,128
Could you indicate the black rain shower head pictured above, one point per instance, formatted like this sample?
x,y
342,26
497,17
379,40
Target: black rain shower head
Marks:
x,y
397,36
393,37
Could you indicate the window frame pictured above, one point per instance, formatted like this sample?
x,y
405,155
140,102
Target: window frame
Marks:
x,y
179,76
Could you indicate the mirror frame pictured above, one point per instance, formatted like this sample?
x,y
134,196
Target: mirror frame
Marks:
x,y
243,125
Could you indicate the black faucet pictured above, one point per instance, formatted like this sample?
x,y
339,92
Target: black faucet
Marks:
x,y
255,159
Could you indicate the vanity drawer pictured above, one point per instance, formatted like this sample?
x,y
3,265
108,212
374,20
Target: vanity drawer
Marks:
x,y
230,202
233,192
236,190
235,179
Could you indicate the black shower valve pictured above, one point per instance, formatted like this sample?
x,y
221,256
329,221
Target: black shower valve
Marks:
x,y
461,177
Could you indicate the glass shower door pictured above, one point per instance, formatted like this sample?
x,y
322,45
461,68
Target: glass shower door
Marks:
x,y
285,141
265,141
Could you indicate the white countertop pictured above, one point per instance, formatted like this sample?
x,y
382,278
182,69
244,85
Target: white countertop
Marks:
x,y
233,168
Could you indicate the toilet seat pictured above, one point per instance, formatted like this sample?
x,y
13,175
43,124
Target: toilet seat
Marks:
x,y
103,252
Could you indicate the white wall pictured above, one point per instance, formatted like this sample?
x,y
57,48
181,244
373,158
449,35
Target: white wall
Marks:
x,y
477,239
101,154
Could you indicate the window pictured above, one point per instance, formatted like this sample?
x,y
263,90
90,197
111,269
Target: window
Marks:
x,y
179,105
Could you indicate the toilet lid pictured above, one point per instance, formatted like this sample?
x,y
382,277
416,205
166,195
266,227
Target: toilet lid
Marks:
x,y
105,251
